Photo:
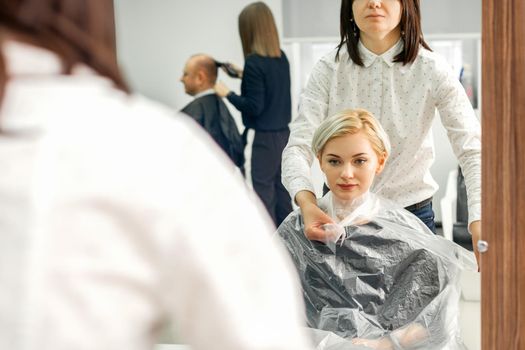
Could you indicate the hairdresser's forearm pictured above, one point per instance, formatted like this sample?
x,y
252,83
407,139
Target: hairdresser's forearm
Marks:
x,y
305,198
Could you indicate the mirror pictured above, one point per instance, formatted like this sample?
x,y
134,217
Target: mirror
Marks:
x,y
154,40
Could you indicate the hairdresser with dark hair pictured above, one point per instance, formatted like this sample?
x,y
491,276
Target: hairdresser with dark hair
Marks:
x,y
265,104
383,64
112,222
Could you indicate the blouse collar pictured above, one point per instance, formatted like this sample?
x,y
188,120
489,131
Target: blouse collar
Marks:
x,y
369,57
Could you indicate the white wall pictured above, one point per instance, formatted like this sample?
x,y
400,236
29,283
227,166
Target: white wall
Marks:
x,y
320,18
156,37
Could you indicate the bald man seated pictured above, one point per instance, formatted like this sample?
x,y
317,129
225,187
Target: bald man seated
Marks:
x,y
208,109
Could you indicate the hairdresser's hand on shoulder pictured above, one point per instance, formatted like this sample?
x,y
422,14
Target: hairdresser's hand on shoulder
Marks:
x,y
221,89
313,217
475,230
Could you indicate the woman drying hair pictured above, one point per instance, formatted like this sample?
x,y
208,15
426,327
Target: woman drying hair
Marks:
x,y
265,104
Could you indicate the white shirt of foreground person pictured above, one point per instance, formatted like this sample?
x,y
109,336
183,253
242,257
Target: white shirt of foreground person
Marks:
x,y
404,99
126,216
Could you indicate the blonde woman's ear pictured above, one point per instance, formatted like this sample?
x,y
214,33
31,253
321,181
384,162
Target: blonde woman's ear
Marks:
x,y
381,163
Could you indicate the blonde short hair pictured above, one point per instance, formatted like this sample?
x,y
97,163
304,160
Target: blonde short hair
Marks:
x,y
352,121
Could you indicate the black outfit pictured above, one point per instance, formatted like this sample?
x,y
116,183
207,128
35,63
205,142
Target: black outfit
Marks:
x,y
460,233
213,115
385,274
376,290
265,104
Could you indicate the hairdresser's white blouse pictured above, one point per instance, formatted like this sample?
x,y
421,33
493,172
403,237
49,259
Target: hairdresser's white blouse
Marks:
x,y
405,100
117,215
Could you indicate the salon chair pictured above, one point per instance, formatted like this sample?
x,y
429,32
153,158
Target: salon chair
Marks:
x,y
454,210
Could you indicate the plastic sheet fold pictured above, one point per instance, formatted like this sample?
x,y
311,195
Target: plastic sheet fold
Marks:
x,y
382,280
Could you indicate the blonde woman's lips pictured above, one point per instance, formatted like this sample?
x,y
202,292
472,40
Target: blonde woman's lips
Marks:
x,y
347,187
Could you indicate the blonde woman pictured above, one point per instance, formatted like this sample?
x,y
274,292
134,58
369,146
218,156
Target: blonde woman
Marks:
x,y
265,104
379,277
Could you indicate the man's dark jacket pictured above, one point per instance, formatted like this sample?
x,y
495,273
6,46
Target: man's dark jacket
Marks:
x,y
213,115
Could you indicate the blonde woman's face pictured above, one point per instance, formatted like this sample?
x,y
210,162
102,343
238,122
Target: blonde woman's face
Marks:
x,y
350,165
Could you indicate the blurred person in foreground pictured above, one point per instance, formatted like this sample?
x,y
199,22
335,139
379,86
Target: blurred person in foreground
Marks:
x,y
115,217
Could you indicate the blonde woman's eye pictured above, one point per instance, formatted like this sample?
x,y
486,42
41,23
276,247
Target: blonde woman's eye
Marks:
x,y
334,162
360,161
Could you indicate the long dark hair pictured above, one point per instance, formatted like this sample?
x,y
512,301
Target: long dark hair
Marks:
x,y
79,31
410,26
258,31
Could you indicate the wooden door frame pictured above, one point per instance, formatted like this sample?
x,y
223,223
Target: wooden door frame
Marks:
x,y
503,174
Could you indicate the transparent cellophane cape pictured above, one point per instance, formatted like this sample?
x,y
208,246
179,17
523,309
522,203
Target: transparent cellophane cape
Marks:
x,y
381,276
